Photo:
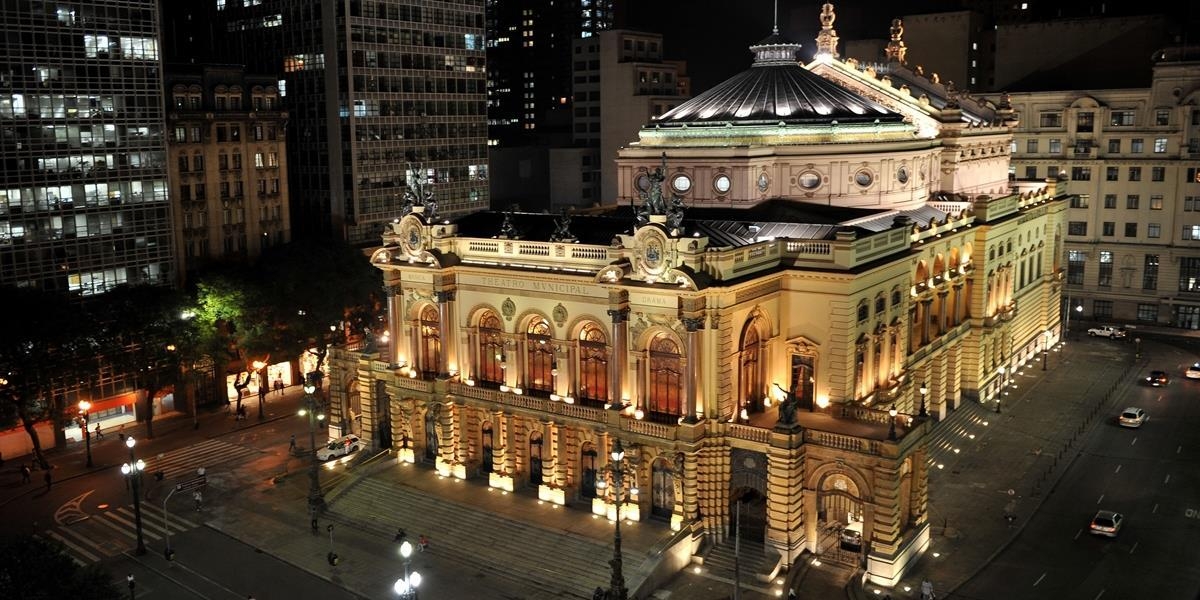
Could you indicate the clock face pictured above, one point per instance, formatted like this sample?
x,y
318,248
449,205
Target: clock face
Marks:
x,y
763,182
411,237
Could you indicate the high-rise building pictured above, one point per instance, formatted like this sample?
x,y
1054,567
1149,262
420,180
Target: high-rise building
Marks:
x,y
370,87
530,65
83,190
228,163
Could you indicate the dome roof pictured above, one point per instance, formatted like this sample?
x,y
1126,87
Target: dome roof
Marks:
x,y
776,88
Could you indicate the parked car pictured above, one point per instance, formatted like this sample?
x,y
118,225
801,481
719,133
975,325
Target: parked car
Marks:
x,y
1158,378
851,537
1193,372
1132,417
339,447
1109,331
1107,523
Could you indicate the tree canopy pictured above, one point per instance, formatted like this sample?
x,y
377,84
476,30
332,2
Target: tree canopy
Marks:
x,y
36,570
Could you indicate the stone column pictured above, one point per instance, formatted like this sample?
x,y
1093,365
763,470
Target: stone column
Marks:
x,y
926,303
620,348
395,312
914,328
693,325
943,322
445,300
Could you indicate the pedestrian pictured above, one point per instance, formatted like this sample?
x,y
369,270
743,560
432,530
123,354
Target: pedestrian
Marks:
x,y
598,594
99,435
121,435
423,542
926,590
792,595
292,444
25,472
400,535
48,479
279,386
198,498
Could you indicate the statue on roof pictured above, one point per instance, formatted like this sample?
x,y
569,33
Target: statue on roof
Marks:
x,y
562,229
652,196
416,192
895,48
827,38
675,215
508,231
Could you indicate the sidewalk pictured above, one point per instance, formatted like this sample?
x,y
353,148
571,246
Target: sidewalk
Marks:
x,y
990,471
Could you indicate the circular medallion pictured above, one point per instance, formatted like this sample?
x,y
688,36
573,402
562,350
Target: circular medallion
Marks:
x,y
902,175
410,237
863,178
809,180
763,182
642,182
681,183
721,184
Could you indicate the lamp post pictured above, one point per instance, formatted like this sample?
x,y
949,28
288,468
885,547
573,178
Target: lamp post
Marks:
x,y
924,391
1137,353
1045,347
892,423
616,587
84,405
312,409
406,587
262,387
1000,393
133,470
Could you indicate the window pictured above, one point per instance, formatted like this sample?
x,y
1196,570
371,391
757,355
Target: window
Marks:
x,y
1106,269
1158,173
1055,146
1121,118
1150,272
1074,228
1193,173
222,133
1135,173
1191,232
1052,172
1162,117
593,364
1131,229
183,164
1131,201
431,341
1189,274
1114,146
1137,145
222,162
1109,228
237,161
1102,309
665,376
1031,146
1160,145
1051,119
1147,313
1156,202
198,163
1075,267
540,364
1191,204
258,160
751,370
1111,173
1110,201
1080,201
1081,173
235,133
180,135
196,135
863,312
1154,230
1085,121
492,360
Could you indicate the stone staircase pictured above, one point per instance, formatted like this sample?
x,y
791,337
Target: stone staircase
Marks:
x,y
553,560
755,565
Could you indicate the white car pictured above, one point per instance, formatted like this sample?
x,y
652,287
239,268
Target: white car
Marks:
x,y
1108,331
1107,523
339,447
1132,417
1193,372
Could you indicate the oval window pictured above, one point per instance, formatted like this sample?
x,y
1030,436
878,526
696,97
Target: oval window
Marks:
x,y
902,175
721,184
681,183
642,182
863,178
809,180
763,182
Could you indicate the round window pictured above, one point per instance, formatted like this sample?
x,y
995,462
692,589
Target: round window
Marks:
x,y
721,184
681,183
809,180
902,175
642,182
863,178
763,182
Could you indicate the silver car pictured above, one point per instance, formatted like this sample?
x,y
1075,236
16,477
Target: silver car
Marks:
x,y
1132,417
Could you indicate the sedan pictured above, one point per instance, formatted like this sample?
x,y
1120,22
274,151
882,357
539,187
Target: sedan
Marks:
x,y
1132,417
339,447
1193,372
1107,523
1157,378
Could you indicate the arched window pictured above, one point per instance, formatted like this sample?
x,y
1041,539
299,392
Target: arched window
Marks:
x,y
593,364
895,298
431,341
666,374
880,304
491,349
539,354
751,369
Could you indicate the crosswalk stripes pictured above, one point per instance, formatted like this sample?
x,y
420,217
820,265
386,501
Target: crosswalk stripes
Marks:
x,y
111,532
185,461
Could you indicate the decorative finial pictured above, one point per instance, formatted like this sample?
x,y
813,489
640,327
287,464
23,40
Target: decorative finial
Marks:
x,y
895,48
827,39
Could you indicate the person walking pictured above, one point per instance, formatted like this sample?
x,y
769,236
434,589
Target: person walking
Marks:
x,y
292,444
400,535
198,498
99,435
25,473
423,542
926,590
49,480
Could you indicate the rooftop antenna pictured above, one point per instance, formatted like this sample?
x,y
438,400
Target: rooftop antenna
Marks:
x,y
775,27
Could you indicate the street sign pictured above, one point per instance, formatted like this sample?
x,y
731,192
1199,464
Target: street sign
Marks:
x,y
193,483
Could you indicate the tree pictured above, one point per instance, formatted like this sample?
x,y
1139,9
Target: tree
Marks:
x,y
143,333
48,346
37,569
233,323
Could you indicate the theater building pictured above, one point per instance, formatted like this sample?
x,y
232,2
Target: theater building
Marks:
x,y
810,264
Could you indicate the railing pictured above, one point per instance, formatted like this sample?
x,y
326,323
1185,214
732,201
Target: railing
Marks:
x,y
842,442
748,433
867,415
658,430
816,248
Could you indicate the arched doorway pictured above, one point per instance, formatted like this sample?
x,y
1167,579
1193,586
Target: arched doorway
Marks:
x,y
662,487
587,471
485,436
748,515
535,459
431,439
383,415
841,519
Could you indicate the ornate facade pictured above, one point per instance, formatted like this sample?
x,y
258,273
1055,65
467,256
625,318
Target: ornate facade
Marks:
x,y
823,261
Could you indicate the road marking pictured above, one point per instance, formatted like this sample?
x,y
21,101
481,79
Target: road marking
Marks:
x,y
1100,499
71,510
1039,580
1168,479
1155,509
1078,533
1118,469
76,547
1178,449
1098,595
1134,442
1134,548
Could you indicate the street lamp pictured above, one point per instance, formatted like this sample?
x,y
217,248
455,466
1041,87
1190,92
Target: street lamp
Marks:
x,y
406,587
133,470
892,420
1000,393
312,409
1045,347
262,387
616,587
84,405
924,390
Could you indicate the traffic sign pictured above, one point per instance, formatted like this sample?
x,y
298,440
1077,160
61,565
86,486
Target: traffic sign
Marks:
x,y
193,483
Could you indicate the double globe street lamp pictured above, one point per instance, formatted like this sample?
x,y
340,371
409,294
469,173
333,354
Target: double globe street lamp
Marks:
x,y
84,407
133,470
406,587
312,409
616,587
